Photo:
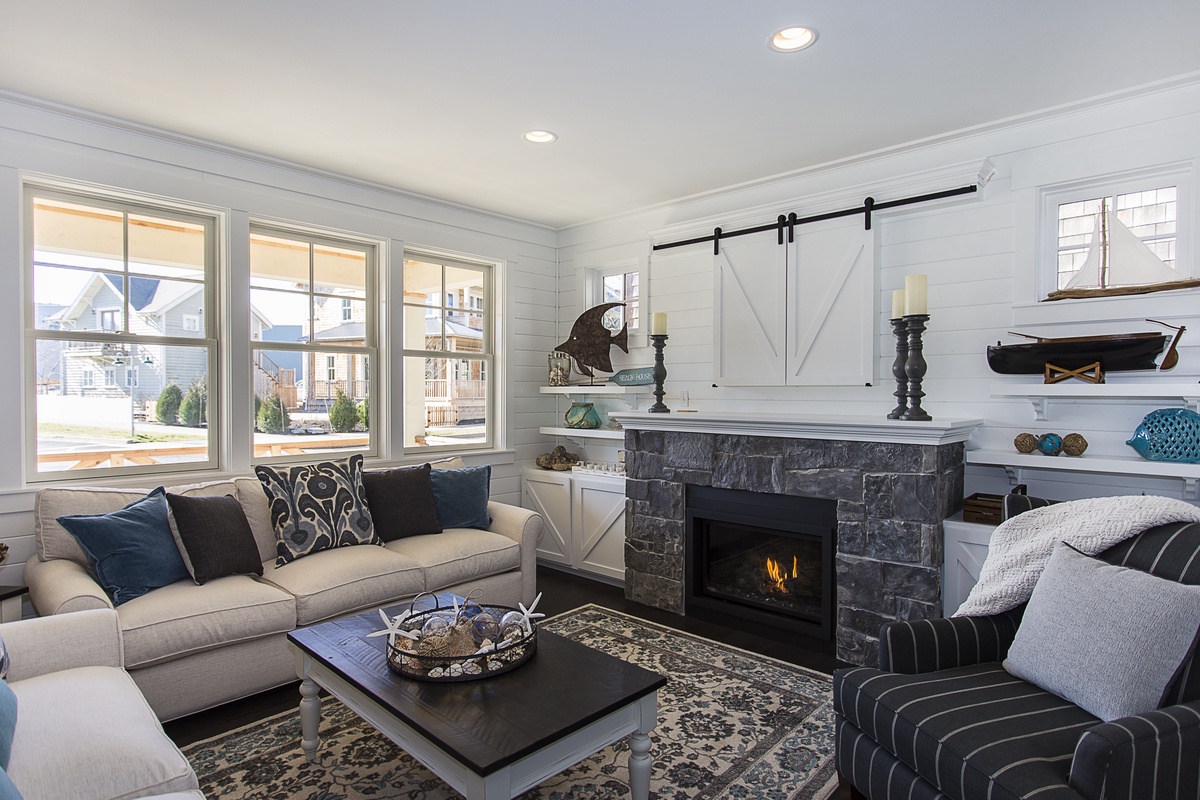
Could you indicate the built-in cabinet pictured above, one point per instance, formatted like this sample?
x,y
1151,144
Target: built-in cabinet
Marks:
x,y
799,313
966,546
584,517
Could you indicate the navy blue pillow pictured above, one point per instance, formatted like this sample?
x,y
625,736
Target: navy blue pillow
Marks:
x,y
8,722
461,496
132,550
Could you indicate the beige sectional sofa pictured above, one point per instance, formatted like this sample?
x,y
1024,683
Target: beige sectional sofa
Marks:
x,y
190,647
83,728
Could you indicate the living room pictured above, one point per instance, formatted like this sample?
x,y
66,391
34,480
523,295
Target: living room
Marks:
x,y
462,221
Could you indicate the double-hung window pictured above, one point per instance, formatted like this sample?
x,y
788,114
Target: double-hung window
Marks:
x,y
448,352
108,281
313,297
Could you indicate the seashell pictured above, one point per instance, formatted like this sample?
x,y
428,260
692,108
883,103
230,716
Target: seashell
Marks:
x,y
471,668
436,672
1168,434
1025,442
1050,444
1074,444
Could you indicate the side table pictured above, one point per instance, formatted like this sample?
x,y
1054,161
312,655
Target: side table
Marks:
x,y
11,599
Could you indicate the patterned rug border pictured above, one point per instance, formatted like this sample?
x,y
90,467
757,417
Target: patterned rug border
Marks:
x,y
826,791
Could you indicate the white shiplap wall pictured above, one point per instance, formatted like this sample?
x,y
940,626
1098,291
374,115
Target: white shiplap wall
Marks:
x,y
60,143
977,252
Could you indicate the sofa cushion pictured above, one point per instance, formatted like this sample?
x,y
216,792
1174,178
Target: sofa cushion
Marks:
x,y
317,507
347,579
131,550
258,513
8,722
401,502
213,536
88,732
972,731
461,496
1110,639
184,618
52,539
457,555
8,789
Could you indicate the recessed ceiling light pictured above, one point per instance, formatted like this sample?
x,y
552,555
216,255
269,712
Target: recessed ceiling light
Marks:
x,y
789,40
540,137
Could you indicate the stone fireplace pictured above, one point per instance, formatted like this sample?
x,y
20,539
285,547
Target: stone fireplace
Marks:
x,y
892,484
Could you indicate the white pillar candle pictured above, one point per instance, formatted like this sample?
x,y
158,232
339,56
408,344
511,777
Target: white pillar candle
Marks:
x,y
897,303
658,323
916,300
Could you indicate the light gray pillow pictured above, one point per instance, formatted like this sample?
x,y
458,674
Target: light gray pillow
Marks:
x,y
1109,639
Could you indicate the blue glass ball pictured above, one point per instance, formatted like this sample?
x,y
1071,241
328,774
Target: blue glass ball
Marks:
x,y
1050,444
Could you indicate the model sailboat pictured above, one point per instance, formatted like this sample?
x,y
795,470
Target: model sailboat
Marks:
x,y
1119,263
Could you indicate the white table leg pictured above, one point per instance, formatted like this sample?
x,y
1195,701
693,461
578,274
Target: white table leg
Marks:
x,y
310,717
640,763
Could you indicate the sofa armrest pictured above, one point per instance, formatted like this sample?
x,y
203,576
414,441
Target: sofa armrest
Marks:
x,y
63,641
525,528
60,586
928,645
1156,754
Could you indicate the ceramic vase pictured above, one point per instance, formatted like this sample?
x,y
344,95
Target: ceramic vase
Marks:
x,y
582,415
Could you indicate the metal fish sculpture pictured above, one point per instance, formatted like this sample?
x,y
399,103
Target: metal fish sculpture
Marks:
x,y
590,342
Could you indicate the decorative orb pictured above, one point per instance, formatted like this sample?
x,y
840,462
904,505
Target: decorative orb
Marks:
x,y
1074,444
436,625
1050,444
486,626
1025,442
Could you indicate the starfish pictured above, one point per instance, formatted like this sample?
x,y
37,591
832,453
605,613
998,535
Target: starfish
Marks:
x,y
393,626
528,613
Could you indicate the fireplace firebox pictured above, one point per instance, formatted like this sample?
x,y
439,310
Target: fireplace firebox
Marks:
x,y
763,558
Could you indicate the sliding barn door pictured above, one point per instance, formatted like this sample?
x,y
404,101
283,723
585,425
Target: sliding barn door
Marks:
x,y
831,295
749,310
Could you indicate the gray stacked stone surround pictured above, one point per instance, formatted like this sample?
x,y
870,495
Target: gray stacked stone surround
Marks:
x,y
891,500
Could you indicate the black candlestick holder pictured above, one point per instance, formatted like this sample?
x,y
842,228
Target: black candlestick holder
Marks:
x,y
915,367
659,341
901,394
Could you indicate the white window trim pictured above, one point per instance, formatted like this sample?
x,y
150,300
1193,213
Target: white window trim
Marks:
x,y
596,264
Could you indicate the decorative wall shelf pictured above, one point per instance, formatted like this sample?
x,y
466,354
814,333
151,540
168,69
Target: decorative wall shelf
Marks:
x,y
1015,464
629,394
584,433
600,389
1040,394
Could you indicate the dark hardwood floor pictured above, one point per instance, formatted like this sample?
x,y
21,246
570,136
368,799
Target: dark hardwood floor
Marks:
x,y
561,591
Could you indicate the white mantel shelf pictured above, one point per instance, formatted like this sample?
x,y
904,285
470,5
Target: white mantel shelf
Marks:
x,y
835,427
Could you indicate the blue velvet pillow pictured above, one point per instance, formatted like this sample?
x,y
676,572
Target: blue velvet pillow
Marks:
x,y
461,496
8,722
132,550
7,790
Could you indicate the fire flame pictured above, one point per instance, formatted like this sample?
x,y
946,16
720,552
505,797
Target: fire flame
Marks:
x,y
778,575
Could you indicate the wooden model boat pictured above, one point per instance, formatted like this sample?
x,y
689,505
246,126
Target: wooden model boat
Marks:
x,y
1120,352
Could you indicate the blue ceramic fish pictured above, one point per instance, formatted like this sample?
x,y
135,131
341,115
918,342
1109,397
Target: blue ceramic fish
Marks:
x,y
1168,434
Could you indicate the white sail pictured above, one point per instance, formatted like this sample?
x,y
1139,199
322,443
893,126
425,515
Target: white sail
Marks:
x,y
1130,261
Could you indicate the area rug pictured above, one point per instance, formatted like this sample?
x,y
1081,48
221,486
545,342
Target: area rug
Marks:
x,y
731,724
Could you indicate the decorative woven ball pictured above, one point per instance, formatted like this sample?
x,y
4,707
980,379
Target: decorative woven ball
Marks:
x,y
1050,444
1025,442
1073,444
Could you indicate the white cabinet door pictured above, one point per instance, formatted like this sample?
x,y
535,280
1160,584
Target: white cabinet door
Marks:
x,y
831,313
966,546
598,517
549,494
749,308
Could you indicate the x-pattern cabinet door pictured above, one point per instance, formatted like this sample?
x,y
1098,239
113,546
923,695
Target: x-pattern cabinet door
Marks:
x,y
549,494
598,507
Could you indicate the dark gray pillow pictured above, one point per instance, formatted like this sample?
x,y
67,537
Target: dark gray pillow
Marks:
x,y
214,536
1014,504
317,507
1110,639
401,502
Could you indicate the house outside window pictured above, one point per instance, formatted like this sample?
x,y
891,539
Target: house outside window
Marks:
x,y
448,350
315,295
119,271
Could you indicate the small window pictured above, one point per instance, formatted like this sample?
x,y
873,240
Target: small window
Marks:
x,y
87,378
131,377
331,369
620,287
347,309
110,319
191,323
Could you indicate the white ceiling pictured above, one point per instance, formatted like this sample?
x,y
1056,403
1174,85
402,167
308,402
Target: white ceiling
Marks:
x,y
652,100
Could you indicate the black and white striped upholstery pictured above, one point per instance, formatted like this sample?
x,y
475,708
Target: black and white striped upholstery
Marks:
x,y
941,718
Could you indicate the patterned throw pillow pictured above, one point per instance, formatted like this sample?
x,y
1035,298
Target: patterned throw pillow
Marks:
x,y
317,507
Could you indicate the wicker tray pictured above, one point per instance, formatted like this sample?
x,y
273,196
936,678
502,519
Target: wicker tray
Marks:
x,y
448,669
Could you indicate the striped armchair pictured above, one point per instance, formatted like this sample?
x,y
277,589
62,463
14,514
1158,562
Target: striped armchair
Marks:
x,y
941,719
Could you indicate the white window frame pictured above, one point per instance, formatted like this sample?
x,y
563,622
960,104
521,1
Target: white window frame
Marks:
x,y
594,265
191,322
126,203
131,376
489,320
347,309
1051,197
110,376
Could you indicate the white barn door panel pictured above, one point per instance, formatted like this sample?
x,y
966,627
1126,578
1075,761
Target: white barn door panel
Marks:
x,y
599,509
831,315
549,494
749,310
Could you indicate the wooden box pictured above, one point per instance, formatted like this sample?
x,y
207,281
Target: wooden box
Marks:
x,y
983,508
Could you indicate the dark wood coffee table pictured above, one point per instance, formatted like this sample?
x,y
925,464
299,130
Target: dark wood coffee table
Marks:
x,y
491,738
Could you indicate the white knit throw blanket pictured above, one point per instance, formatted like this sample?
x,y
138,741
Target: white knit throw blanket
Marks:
x,y
1021,546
